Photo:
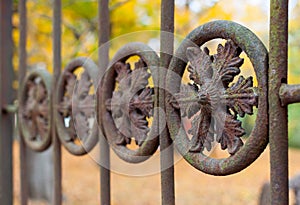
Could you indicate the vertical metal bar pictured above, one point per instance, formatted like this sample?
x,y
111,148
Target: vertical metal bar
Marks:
x,y
22,72
103,56
166,146
278,113
6,97
57,193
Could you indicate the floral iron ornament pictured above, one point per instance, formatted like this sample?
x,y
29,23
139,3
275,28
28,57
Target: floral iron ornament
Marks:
x,y
36,109
133,91
210,95
126,101
76,106
34,115
218,97
73,101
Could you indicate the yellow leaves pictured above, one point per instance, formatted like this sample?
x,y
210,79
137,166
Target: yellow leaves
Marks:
x,y
39,34
186,20
182,21
216,12
124,19
247,69
78,10
149,14
134,15
79,24
15,37
223,10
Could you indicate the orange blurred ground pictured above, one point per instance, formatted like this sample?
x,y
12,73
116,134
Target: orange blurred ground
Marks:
x,y
81,183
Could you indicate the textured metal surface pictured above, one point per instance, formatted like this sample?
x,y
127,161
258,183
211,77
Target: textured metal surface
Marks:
x,y
22,73
126,101
289,94
75,103
56,41
131,120
241,156
130,110
165,141
277,113
218,103
6,98
35,110
103,59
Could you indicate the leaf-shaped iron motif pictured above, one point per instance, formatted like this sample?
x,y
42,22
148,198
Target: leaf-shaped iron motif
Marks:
x,y
77,104
185,100
241,97
200,68
209,100
36,109
229,136
202,136
66,104
132,102
227,61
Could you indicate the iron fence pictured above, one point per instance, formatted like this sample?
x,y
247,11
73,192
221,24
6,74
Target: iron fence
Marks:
x,y
125,95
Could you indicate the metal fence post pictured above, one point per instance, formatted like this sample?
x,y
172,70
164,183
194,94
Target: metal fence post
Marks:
x,y
22,72
166,145
103,57
6,98
57,193
278,114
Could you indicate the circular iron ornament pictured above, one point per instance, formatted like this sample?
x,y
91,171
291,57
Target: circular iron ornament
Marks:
x,y
34,109
126,103
75,106
215,95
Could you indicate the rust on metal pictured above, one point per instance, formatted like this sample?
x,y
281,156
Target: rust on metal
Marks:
x,y
22,73
289,94
56,41
34,109
214,94
165,141
125,102
218,103
75,106
6,97
131,104
103,59
278,113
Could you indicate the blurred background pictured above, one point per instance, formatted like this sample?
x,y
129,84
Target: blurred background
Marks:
x,y
79,38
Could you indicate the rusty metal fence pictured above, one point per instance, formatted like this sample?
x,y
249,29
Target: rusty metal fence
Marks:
x,y
124,101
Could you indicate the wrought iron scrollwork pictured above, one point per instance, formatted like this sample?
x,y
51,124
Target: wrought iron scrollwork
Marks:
x,y
126,101
35,110
75,106
213,100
